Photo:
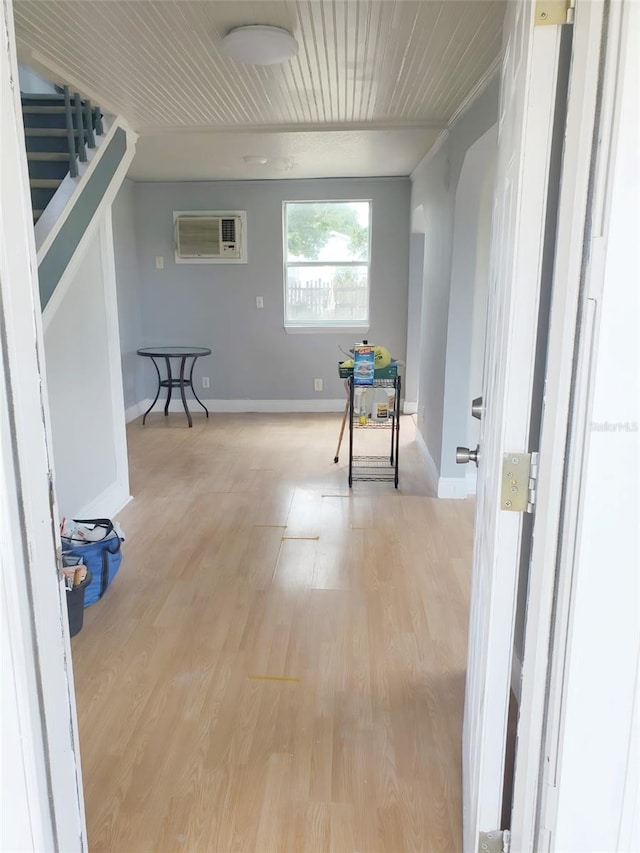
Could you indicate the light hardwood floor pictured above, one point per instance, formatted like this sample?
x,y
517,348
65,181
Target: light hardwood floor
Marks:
x,y
279,664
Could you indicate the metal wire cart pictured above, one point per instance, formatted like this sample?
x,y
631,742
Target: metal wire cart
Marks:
x,y
375,467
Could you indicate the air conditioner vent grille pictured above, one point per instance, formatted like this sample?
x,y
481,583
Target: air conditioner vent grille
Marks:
x,y
198,237
228,230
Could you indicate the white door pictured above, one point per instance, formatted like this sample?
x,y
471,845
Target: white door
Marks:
x,y
525,135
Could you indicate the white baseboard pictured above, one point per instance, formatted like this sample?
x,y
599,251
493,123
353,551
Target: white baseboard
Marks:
x,y
238,406
108,503
410,408
136,410
453,488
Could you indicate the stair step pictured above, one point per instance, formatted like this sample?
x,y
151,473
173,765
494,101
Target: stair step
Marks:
x,y
36,97
58,156
41,196
44,183
43,110
49,131
48,164
47,144
55,121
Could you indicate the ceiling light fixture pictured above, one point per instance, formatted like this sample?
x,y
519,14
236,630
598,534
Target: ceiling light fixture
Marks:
x,y
260,45
255,160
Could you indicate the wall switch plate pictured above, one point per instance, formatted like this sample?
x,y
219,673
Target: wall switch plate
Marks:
x,y
259,302
205,381
317,384
159,262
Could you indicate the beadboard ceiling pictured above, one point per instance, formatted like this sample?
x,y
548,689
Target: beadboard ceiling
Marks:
x,y
385,75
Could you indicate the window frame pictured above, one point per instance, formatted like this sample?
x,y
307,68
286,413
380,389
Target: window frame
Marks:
x,y
325,327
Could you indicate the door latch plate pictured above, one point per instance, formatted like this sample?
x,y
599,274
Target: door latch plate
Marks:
x,y
516,472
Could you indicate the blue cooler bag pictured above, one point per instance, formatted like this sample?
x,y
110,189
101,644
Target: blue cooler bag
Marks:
x,y
102,557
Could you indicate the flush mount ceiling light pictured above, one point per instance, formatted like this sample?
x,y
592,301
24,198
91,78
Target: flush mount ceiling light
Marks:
x,y
260,45
255,160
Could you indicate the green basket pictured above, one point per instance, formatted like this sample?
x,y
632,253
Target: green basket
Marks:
x,y
388,372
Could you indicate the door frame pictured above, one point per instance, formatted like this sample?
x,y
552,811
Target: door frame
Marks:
x,y
573,214
47,811
569,591
528,145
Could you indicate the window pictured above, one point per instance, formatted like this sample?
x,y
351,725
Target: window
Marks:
x,y
327,254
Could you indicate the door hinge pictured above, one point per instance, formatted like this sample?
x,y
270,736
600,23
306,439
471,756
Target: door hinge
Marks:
x,y
553,12
497,841
519,482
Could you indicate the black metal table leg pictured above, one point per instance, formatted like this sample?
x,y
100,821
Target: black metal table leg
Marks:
x,y
169,386
350,432
181,378
398,384
193,390
155,399
393,434
183,361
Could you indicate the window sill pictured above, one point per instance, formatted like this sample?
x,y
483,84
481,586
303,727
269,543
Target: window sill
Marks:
x,y
325,330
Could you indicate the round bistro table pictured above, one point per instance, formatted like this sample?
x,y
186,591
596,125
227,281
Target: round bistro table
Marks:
x,y
179,381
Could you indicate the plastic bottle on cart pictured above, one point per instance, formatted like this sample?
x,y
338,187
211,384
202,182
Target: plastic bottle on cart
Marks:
x,y
360,405
362,411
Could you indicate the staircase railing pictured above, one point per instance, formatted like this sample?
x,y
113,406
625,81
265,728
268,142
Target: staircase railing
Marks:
x,y
47,118
73,163
82,135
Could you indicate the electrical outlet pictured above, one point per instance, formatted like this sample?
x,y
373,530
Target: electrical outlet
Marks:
x,y
205,381
317,384
159,262
259,302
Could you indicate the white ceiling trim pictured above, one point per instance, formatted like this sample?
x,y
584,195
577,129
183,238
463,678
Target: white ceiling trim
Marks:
x,y
156,130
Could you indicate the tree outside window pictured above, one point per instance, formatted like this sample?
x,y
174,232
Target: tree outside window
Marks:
x,y
327,253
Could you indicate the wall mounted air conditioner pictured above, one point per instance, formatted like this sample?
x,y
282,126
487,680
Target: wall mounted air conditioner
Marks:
x,y
210,236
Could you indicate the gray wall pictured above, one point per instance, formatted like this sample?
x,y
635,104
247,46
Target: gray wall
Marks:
x,y
215,304
128,282
33,83
434,185
467,299
95,186
414,314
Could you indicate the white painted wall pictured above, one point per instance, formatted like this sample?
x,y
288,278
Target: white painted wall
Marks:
x,y
599,749
85,386
433,204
